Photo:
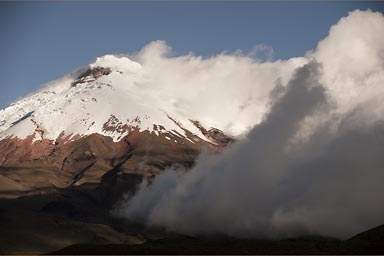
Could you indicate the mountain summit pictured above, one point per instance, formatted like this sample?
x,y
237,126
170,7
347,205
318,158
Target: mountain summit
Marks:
x,y
102,98
76,129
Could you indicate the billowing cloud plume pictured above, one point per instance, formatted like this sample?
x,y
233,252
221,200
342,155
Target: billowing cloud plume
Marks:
x,y
313,162
194,86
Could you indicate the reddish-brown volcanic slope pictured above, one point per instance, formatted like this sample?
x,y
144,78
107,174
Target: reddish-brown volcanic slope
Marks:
x,y
30,167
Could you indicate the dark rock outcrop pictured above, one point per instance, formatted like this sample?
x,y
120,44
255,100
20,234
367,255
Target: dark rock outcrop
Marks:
x,y
91,75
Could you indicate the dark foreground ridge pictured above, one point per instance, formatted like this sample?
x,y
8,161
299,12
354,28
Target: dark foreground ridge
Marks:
x,y
187,245
77,220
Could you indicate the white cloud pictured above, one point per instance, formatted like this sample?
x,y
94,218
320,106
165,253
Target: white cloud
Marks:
x,y
227,91
312,164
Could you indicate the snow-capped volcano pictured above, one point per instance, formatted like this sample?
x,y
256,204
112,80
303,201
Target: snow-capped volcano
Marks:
x,y
77,129
107,97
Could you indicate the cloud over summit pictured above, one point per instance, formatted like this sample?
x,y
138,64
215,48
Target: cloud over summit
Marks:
x,y
312,159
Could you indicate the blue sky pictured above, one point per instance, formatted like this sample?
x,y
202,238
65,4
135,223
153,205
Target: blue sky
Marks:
x,y
42,41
